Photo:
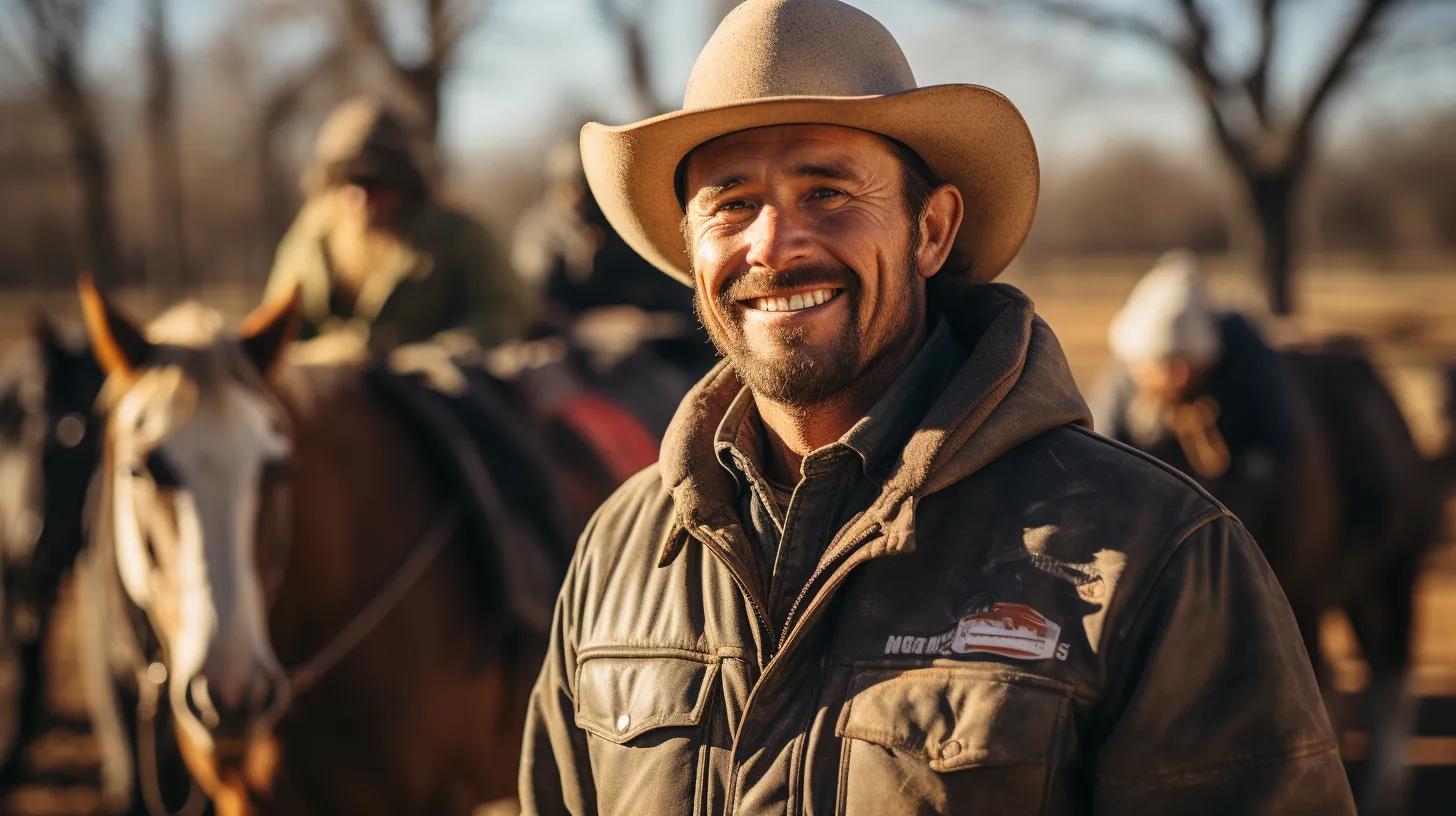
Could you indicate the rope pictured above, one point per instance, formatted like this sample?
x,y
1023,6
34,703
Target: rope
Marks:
x,y
147,770
302,677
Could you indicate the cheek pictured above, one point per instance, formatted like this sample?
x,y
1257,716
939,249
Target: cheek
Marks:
x,y
714,259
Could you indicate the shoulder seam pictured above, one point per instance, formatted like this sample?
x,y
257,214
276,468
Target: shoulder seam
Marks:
x,y
1151,460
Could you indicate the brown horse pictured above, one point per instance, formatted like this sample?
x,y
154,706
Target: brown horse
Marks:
x,y
320,634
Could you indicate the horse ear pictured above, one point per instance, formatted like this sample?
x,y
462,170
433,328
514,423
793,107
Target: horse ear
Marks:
x,y
46,336
116,341
270,328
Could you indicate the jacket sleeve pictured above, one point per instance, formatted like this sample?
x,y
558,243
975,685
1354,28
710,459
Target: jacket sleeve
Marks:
x,y
1213,705
555,773
496,304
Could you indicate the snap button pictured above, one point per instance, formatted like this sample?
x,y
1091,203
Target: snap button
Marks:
x,y
622,722
950,749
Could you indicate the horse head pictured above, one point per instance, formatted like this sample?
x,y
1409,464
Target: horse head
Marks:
x,y
193,501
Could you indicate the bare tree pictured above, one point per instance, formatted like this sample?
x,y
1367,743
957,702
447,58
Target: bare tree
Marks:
x,y
629,24
1268,147
447,22
169,236
279,105
52,33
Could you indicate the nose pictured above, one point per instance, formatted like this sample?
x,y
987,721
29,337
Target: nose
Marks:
x,y
776,239
231,709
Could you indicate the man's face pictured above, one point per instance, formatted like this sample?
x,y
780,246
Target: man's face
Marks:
x,y
804,256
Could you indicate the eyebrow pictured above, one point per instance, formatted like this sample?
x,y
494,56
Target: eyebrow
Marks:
x,y
717,188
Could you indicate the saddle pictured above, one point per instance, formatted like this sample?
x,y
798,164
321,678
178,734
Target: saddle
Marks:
x,y
496,469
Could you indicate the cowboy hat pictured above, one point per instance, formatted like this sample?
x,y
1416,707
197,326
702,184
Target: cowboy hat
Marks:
x,y
780,62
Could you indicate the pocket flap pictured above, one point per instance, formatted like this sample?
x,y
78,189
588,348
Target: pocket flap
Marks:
x,y
955,717
620,697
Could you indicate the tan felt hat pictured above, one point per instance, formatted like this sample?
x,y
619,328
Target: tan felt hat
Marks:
x,y
780,62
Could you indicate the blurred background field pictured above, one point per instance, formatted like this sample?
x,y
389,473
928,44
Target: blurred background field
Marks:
x,y
160,143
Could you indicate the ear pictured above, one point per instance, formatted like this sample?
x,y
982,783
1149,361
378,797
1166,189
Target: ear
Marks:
x,y
116,341
270,328
940,220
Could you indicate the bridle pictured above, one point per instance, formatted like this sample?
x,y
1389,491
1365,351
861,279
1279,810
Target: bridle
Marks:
x,y
301,677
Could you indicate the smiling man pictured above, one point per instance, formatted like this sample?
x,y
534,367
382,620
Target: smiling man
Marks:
x,y
881,567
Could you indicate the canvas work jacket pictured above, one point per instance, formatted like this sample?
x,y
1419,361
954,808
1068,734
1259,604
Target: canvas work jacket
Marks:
x,y
1027,619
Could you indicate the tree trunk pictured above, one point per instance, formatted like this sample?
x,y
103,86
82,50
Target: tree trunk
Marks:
x,y
169,239
92,164
1272,196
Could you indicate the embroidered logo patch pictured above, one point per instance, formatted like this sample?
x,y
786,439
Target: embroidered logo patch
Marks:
x,y
1005,629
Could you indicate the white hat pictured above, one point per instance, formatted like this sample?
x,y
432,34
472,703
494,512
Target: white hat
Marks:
x,y
1167,315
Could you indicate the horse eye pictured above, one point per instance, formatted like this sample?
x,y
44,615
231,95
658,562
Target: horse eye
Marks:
x,y
161,471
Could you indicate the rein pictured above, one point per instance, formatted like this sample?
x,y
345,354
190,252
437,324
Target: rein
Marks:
x,y
303,676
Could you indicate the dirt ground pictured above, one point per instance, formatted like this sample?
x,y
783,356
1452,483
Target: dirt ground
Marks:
x,y
1409,317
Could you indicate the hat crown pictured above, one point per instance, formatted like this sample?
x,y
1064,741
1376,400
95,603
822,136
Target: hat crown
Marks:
x,y
769,48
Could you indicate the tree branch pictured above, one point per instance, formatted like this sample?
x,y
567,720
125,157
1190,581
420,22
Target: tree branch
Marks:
x,y
1195,55
1335,72
1256,84
367,29
634,44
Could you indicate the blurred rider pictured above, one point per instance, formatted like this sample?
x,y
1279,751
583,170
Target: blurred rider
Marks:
x,y
1199,388
379,258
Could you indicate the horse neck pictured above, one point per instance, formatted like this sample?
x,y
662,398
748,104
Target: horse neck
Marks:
x,y
361,501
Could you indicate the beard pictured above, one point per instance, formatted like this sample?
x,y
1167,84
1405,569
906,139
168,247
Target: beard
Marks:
x,y
800,373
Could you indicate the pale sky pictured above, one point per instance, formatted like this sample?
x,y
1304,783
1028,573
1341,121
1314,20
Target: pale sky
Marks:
x,y
534,62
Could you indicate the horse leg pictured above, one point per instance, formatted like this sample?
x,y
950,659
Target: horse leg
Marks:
x,y
1382,621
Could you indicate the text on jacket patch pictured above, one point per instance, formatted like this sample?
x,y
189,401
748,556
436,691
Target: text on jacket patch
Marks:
x,y
1005,629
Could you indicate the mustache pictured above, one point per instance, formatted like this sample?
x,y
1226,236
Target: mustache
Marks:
x,y
758,281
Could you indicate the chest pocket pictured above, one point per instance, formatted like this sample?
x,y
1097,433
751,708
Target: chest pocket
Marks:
x,y
973,739
646,716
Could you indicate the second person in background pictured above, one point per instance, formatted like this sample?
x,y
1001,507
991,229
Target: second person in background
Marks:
x,y
379,258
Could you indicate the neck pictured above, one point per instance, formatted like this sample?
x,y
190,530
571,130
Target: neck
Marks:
x,y
794,431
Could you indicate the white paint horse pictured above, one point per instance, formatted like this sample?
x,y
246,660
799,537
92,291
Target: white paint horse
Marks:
x,y
318,625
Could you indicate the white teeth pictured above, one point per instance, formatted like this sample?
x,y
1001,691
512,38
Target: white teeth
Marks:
x,y
793,303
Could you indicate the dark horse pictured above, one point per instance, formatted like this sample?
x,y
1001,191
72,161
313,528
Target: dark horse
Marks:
x,y
48,449
1308,447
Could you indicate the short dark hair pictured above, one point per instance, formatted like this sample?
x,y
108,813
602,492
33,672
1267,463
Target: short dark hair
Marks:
x,y
917,180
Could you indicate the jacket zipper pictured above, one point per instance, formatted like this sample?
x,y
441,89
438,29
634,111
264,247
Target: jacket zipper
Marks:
x,y
840,553
833,562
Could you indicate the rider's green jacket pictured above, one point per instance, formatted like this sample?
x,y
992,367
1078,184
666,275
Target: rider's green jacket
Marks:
x,y
445,274
1027,619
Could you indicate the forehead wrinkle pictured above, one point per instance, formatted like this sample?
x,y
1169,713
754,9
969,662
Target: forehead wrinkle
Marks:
x,y
824,170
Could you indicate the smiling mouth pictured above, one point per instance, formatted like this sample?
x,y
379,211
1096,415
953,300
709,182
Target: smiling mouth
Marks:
x,y
792,303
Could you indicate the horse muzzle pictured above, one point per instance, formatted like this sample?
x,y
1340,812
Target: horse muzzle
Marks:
x,y
233,707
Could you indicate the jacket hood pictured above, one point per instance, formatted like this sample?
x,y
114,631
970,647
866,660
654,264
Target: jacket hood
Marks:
x,y
1014,385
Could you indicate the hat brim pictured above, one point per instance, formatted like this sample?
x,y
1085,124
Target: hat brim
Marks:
x,y
969,135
